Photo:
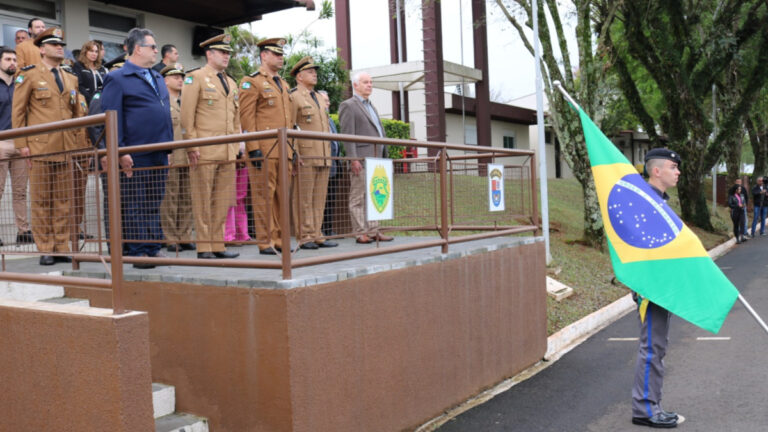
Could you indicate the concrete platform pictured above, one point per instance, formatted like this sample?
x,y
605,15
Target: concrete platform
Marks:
x,y
272,278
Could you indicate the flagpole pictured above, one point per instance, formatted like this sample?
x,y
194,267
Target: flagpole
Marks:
x,y
753,313
543,177
568,97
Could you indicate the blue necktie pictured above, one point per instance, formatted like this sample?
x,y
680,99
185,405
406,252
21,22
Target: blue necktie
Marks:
x,y
150,80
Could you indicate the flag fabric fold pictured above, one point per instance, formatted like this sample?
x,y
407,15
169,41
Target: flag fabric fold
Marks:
x,y
651,249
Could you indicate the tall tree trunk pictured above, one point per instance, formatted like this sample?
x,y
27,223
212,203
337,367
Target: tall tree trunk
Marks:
x,y
691,191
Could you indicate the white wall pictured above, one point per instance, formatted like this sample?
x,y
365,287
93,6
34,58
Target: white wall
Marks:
x,y
167,30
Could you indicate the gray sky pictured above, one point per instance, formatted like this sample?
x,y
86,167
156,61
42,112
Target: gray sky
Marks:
x,y
511,66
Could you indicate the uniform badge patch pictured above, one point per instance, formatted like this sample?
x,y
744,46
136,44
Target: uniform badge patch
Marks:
x,y
246,85
19,79
188,80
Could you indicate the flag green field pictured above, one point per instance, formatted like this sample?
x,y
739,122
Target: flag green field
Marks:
x,y
651,249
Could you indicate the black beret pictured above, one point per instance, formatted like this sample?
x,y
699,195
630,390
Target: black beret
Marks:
x,y
662,153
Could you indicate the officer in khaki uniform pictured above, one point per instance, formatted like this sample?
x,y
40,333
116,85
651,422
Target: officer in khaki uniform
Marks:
x,y
265,104
209,107
176,209
43,94
27,53
311,188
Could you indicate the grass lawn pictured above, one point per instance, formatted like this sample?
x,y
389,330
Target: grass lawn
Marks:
x,y
587,270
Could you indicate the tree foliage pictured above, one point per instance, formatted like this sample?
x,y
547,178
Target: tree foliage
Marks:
x,y
587,84
685,48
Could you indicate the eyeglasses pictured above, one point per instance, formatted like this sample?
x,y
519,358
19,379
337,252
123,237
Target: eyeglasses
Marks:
x,y
153,46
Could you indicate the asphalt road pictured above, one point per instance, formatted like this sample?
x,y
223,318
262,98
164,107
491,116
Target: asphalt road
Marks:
x,y
716,384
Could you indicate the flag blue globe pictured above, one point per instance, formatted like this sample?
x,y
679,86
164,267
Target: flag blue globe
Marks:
x,y
639,216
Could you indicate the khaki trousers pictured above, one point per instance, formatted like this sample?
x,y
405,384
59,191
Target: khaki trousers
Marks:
x,y
80,166
266,203
49,189
19,178
357,204
213,185
176,210
311,194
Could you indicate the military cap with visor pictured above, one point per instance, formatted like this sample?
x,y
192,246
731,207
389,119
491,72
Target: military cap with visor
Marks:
x,y
274,44
302,65
175,69
220,42
662,153
53,35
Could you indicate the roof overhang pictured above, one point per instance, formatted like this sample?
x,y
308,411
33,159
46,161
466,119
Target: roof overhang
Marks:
x,y
218,13
411,75
499,111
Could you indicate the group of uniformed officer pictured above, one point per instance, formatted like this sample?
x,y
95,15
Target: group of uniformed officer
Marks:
x,y
211,104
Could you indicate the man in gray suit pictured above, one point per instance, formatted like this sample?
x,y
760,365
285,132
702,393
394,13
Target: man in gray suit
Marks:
x,y
357,116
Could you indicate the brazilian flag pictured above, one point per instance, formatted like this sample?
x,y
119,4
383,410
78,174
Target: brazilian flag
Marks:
x,y
652,251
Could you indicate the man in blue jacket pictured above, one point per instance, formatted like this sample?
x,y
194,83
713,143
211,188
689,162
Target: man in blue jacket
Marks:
x,y
140,97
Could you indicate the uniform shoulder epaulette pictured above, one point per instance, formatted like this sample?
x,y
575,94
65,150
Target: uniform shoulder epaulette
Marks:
x,y
254,75
291,91
191,70
28,67
68,69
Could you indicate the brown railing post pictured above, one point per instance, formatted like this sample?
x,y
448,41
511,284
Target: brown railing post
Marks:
x,y
444,198
284,194
534,197
115,212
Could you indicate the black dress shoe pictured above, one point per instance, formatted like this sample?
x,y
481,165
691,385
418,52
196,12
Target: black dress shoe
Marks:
x,y
206,255
188,246
309,245
24,237
84,236
174,248
226,254
62,259
268,251
47,260
669,414
327,244
657,421
143,266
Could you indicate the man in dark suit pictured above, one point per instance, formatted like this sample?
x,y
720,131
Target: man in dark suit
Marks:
x,y
140,97
358,116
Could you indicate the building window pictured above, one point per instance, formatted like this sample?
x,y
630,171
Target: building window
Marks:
x,y
106,20
45,9
470,135
509,141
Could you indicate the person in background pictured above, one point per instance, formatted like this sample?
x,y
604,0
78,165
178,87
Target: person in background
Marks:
x,y
176,209
745,218
34,103
357,116
27,53
310,193
331,200
737,203
89,70
169,57
140,97
237,219
265,104
209,107
8,153
760,205
21,36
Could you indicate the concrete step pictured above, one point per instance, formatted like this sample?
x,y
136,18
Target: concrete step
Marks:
x,y
163,399
30,292
69,301
181,423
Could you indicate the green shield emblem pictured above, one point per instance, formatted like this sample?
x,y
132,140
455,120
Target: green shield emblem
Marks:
x,y
380,189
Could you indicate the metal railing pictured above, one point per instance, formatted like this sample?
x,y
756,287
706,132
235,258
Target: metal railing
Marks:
x,y
450,182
